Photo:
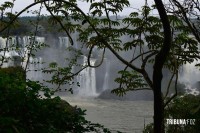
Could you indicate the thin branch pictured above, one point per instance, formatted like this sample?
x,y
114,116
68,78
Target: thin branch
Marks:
x,y
89,57
171,98
192,27
169,84
146,59
107,14
144,73
63,27
154,51
68,77
139,89
6,47
33,39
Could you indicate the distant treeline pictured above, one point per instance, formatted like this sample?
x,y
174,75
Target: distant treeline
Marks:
x,y
43,26
30,25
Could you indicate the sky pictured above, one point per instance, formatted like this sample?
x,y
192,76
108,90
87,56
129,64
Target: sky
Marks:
x,y
20,4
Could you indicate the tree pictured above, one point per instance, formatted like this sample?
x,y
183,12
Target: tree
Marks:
x,y
161,40
188,11
23,109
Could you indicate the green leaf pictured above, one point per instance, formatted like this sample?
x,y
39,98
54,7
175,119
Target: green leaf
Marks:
x,y
53,65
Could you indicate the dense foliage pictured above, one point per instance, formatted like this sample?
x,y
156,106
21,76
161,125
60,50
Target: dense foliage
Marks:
x,y
28,107
182,107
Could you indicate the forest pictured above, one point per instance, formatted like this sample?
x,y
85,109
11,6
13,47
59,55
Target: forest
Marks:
x,y
23,26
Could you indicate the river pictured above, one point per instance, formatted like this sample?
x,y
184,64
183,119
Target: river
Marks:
x,y
124,116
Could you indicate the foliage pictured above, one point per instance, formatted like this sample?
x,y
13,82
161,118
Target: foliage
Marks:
x,y
129,81
65,75
148,128
182,107
24,108
189,107
26,25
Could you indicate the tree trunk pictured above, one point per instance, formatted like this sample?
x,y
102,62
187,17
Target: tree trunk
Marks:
x,y
158,65
158,114
158,103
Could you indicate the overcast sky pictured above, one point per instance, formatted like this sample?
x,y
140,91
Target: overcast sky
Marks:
x,y
20,4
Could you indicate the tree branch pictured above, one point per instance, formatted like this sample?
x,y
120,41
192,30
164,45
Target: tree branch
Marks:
x,y
171,98
62,26
184,13
89,57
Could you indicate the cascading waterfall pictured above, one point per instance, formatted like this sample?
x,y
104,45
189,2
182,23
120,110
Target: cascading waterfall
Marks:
x,y
106,78
87,77
190,76
63,42
11,53
25,41
39,40
87,80
35,63
190,73
2,42
34,73
20,42
90,82
17,49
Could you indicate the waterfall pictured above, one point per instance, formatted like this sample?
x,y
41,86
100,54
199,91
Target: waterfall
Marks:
x,y
35,67
2,42
190,73
63,42
87,80
11,41
106,78
35,63
190,76
25,41
17,48
10,54
40,39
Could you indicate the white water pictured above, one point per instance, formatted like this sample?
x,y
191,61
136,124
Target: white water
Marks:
x,y
21,42
87,80
191,73
63,42
34,67
190,76
106,78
